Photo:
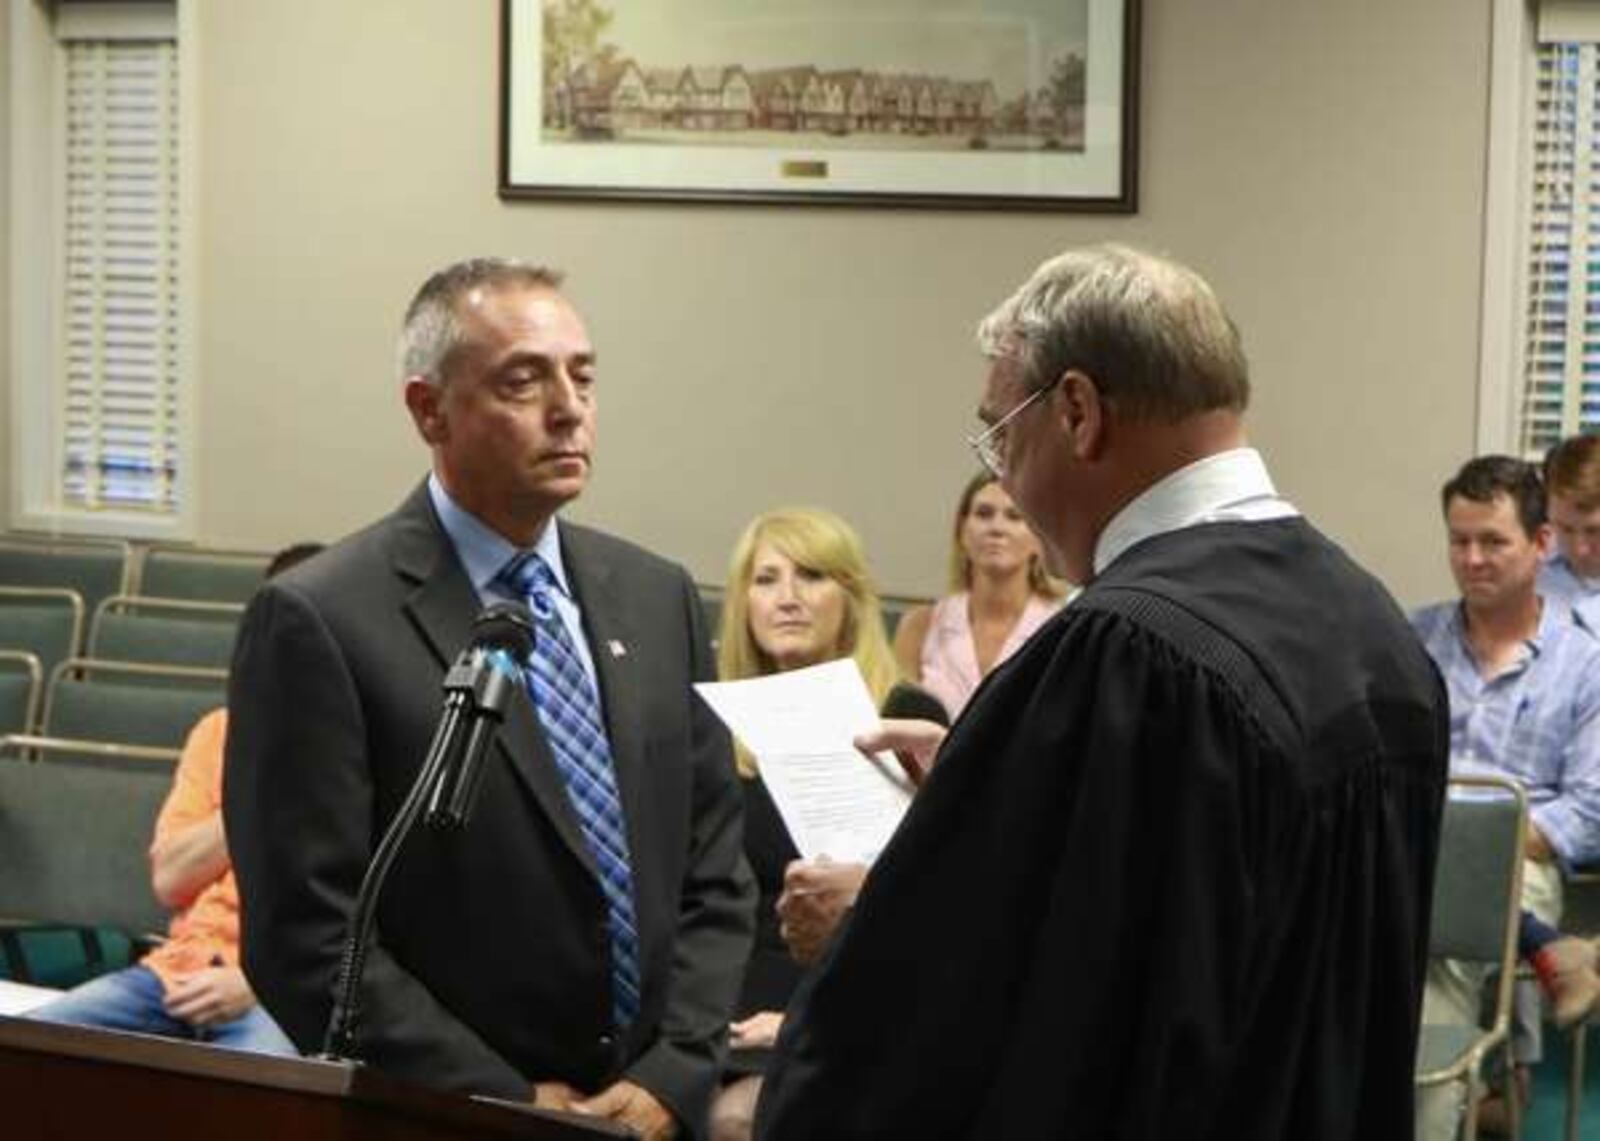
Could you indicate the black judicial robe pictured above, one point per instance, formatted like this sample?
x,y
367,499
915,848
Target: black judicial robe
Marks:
x,y
1170,877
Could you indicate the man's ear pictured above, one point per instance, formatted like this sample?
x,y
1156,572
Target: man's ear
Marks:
x,y
1544,540
1082,413
425,402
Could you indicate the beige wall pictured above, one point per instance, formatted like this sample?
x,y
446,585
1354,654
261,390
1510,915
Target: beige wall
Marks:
x,y
1322,163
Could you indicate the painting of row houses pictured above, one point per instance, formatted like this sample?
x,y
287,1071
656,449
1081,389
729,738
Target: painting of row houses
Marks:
x,y
917,101
610,97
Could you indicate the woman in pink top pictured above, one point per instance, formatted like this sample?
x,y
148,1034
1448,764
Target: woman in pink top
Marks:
x,y
1001,596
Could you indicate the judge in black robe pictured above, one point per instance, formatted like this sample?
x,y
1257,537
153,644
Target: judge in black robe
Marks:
x,y
1170,875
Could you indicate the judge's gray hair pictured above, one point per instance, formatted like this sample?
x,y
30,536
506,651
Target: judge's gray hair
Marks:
x,y
1149,332
431,332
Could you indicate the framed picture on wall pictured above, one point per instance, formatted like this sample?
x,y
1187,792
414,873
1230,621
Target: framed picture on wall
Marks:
x,y
982,104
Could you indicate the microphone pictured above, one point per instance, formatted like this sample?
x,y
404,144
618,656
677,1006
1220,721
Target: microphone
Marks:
x,y
912,703
476,689
475,692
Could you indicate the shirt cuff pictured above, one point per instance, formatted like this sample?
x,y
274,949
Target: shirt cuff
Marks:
x,y
1563,826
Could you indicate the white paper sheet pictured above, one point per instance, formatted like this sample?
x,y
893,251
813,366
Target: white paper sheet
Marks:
x,y
800,726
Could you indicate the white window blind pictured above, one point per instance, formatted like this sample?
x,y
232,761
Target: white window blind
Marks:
x,y
1561,380
119,416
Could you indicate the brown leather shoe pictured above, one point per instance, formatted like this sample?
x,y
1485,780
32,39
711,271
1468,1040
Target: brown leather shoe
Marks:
x,y
1494,1115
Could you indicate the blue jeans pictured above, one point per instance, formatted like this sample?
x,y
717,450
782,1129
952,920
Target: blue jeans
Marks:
x,y
132,999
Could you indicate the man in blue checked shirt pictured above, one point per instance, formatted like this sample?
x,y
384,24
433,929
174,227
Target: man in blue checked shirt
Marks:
x,y
1524,683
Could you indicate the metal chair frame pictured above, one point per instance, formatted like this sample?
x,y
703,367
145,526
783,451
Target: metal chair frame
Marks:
x,y
45,594
1468,1064
82,668
35,670
179,607
1578,1041
164,607
49,545
150,670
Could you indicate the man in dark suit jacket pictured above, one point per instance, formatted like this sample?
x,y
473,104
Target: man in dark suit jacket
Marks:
x,y
493,969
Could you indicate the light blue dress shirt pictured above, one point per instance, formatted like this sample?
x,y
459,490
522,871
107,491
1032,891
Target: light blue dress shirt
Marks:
x,y
484,553
1581,595
1537,722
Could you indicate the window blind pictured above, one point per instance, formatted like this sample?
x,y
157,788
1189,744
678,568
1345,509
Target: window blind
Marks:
x,y
1561,382
119,419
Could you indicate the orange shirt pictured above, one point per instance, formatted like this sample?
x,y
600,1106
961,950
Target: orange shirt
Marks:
x,y
208,928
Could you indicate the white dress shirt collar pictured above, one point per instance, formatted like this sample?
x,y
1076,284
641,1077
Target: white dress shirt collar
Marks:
x,y
1231,486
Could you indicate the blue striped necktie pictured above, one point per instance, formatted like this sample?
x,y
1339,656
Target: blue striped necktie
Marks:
x,y
570,713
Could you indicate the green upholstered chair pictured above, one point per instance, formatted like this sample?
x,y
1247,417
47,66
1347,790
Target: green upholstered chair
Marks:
x,y
201,575
76,820
168,632
46,622
21,685
129,704
711,611
96,570
1476,906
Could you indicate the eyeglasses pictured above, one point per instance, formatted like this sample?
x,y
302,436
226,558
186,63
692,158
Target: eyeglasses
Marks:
x,y
989,445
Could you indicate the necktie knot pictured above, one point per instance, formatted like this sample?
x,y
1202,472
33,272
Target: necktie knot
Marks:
x,y
530,576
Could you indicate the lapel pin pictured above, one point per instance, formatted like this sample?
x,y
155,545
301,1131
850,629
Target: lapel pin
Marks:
x,y
618,650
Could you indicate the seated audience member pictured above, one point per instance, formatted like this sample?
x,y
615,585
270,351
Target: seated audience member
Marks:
x,y
1572,484
191,986
798,594
1000,594
1524,686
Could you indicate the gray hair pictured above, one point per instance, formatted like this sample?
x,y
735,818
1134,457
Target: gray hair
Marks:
x,y
1149,332
431,331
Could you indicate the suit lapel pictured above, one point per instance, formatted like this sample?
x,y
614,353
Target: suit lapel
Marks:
x,y
613,647
441,606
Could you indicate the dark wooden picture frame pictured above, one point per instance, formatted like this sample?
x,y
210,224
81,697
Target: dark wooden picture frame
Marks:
x,y
1027,104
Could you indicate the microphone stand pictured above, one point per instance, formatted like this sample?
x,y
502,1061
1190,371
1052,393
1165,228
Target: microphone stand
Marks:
x,y
475,693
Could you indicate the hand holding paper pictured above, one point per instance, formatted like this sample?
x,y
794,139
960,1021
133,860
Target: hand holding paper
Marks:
x,y
816,895
914,743
802,726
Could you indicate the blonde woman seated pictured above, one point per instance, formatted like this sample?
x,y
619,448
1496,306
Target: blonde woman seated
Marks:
x,y
798,594
1000,596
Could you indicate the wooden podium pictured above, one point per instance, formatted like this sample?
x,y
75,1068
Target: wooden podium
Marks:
x,y
67,1083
